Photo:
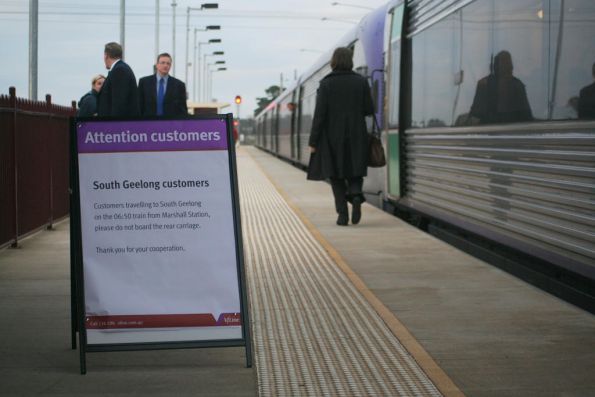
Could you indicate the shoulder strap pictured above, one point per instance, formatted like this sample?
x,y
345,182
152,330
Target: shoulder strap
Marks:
x,y
375,127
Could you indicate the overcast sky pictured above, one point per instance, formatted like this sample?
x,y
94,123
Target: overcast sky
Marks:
x,y
262,39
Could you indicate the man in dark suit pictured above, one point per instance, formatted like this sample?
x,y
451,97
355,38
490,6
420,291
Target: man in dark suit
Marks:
x,y
586,100
161,94
119,95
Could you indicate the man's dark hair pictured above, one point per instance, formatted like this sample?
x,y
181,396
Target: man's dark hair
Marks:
x,y
163,54
342,59
503,64
113,50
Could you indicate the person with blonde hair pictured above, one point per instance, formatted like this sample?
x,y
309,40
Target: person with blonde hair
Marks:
x,y
88,102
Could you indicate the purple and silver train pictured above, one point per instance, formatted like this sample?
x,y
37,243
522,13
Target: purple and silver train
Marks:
x,y
487,111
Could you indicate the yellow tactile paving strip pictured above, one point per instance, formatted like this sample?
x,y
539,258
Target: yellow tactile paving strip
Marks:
x,y
314,334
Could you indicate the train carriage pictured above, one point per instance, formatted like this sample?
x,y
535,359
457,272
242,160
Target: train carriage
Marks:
x,y
485,119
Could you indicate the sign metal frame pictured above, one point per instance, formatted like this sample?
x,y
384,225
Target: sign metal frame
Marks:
x,y
78,313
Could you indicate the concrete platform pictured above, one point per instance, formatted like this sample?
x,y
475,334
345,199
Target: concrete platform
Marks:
x,y
35,353
491,334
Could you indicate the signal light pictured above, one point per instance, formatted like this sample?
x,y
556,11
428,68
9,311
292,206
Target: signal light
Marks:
x,y
238,99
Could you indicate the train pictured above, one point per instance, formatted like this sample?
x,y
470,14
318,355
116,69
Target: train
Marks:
x,y
487,116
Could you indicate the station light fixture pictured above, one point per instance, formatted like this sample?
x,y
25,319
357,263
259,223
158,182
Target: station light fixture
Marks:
x,y
336,3
339,20
211,27
198,79
311,50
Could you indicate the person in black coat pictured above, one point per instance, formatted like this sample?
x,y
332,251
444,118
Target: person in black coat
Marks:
x,y
586,100
500,97
339,137
88,102
174,91
119,94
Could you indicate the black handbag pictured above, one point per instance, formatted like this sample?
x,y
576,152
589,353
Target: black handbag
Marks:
x,y
376,157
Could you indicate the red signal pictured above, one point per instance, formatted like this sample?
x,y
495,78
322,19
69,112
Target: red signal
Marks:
x,y
238,99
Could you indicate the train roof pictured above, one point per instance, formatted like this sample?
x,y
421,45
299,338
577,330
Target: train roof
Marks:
x,y
345,41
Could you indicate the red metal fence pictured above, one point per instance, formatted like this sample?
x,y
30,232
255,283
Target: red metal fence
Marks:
x,y
34,158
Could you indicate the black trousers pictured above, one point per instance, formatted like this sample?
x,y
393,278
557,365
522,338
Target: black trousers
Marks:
x,y
345,189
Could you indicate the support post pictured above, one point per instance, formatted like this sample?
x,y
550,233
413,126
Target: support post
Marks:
x,y
33,40
13,101
187,40
173,39
194,65
123,26
50,130
156,28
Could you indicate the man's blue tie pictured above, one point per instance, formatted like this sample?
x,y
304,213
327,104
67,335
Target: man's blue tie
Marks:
x,y
160,96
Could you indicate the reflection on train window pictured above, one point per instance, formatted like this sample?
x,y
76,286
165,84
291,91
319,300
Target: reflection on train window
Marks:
x,y
520,27
504,61
475,27
573,28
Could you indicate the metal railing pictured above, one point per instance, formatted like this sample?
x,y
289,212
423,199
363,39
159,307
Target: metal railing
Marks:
x,y
34,161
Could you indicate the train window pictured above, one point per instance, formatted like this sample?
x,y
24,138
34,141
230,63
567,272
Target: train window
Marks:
x,y
395,66
474,55
433,56
520,52
572,58
503,61
359,59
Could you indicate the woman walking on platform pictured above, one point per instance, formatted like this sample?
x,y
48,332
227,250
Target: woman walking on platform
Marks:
x,y
339,139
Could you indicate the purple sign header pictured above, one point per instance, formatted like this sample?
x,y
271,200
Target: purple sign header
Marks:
x,y
151,135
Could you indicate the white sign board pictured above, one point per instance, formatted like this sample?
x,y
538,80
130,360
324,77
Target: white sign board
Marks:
x,y
158,230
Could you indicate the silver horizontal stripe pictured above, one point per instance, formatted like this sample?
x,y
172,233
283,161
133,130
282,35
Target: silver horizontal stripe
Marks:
x,y
424,13
536,181
578,202
530,235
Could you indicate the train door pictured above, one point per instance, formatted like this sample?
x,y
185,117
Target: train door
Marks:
x,y
293,126
264,130
275,128
394,95
271,129
299,142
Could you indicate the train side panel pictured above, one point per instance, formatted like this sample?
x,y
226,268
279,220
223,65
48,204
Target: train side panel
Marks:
x,y
495,142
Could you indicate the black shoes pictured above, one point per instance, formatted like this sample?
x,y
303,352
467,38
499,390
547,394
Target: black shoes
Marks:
x,y
356,212
342,220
